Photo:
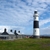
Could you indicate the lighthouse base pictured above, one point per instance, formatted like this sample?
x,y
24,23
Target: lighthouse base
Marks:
x,y
36,36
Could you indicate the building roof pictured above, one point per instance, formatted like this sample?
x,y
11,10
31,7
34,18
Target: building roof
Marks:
x,y
4,33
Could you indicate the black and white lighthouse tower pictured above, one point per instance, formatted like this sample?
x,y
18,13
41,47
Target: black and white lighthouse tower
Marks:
x,y
36,25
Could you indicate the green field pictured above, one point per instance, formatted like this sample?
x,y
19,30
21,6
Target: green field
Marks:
x,y
25,44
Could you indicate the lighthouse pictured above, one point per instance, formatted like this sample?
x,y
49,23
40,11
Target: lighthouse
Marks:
x,y
36,25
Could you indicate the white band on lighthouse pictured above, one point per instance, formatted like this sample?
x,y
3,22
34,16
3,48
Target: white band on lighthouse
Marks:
x,y
36,31
36,19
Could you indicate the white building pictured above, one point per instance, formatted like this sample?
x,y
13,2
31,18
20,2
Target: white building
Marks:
x,y
7,36
11,35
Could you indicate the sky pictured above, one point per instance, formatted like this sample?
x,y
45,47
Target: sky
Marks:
x,y
18,15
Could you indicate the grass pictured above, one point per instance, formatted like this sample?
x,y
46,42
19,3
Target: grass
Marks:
x,y
25,44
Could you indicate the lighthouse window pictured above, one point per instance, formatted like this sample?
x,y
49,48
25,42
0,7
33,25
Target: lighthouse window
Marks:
x,y
35,17
35,30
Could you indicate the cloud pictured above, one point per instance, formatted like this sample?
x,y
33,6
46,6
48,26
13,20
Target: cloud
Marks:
x,y
17,28
3,27
45,21
45,31
19,13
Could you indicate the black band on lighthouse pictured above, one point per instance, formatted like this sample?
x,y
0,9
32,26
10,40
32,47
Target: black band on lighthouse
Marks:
x,y
36,24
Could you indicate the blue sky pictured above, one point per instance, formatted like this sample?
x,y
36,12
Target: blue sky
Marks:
x,y
18,14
